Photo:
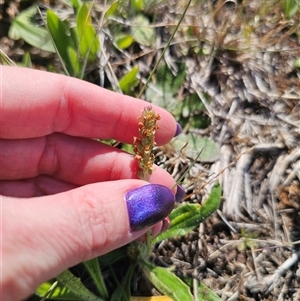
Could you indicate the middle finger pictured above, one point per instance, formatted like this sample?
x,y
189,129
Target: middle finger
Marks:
x,y
74,160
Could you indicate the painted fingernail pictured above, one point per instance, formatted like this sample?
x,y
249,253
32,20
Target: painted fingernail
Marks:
x,y
180,193
148,205
166,224
178,130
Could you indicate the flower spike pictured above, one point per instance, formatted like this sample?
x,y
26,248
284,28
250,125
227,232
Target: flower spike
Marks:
x,y
143,145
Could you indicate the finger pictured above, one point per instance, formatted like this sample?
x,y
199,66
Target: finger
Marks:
x,y
46,185
74,160
34,187
36,103
57,232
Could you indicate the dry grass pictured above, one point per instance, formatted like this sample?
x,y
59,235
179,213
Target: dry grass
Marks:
x,y
249,250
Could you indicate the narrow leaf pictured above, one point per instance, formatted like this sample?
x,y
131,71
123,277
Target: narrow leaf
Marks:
x,y
188,216
94,269
167,282
73,59
111,10
62,39
204,293
88,41
26,60
55,291
74,284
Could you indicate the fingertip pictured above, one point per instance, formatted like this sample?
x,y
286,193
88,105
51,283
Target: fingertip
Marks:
x,y
178,129
148,205
180,193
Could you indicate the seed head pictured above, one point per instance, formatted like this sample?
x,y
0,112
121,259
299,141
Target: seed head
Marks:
x,y
144,144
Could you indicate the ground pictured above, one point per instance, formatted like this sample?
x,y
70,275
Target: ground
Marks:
x,y
240,60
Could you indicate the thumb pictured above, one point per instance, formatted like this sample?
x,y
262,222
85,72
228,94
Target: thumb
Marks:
x,y
46,235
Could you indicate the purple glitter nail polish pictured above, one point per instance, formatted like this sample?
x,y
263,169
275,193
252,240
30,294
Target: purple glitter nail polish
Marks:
x,y
178,130
180,193
148,205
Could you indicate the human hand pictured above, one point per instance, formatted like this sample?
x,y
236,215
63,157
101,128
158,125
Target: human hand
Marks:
x,y
64,194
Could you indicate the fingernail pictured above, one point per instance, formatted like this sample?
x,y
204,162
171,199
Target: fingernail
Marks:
x,y
166,224
180,193
178,130
148,205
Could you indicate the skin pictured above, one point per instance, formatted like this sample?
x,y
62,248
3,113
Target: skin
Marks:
x,y
62,192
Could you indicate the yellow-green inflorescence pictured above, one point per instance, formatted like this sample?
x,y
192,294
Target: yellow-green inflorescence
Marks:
x,y
143,145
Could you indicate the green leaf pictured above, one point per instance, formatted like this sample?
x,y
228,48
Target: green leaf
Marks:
x,y
166,282
74,62
168,81
209,150
141,31
88,40
167,84
74,284
290,7
76,3
26,60
23,27
138,5
94,269
111,11
297,63
64,41
165,99
204,293
129,81
123,40
193,112
55,291
187,217
128,148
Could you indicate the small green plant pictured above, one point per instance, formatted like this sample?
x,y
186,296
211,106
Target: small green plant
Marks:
x,y
290,7
75,42
74,45
247,241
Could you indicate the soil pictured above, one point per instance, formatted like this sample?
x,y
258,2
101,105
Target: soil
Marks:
x,y
241,56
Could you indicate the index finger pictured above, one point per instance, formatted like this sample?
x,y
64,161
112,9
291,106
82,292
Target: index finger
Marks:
x,y
37,103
